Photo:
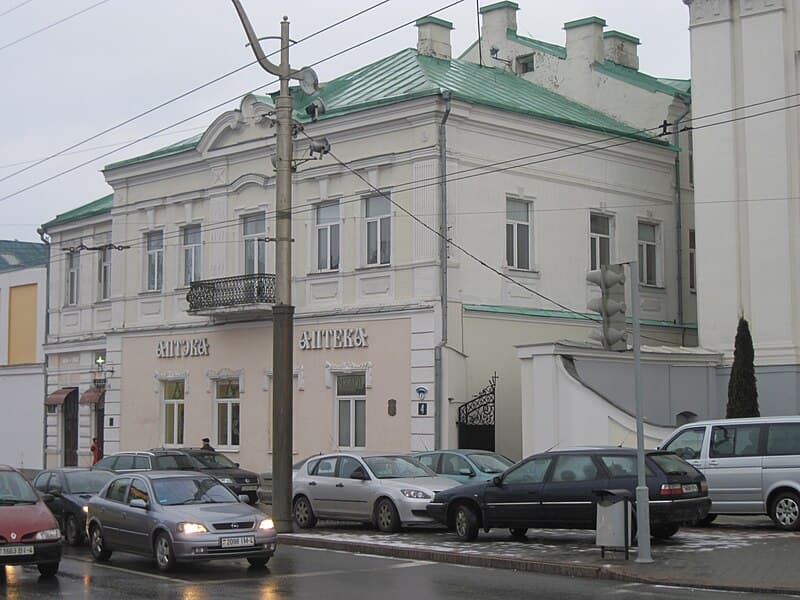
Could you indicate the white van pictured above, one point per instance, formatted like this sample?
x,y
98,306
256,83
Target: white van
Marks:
x,y
752,465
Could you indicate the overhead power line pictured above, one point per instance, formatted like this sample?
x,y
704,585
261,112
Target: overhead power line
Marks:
x,y
38,31
13,8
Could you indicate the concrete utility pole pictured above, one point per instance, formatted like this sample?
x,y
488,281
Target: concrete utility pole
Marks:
x,y
282,311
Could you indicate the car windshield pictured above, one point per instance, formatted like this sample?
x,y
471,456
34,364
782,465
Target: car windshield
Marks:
x,y
86,482
395,467
212,460
191,490
672,464
490,463
15,490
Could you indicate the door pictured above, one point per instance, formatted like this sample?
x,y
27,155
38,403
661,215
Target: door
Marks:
x,y
568,498
734,469
352,495
70,448
688,444
517,500
321,487
110,513
135,522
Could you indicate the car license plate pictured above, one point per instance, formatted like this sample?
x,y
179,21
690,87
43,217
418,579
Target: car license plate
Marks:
x,y
16,550
689,488
249,488
236,542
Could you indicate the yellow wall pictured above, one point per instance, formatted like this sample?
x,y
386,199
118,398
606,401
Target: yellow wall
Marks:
x,y
22,324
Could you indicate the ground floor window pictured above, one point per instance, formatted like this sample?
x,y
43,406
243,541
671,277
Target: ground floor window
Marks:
x,y
351,405
173,412
227,401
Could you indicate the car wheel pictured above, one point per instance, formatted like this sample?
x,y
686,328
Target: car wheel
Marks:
x,y
785,511
98,544
518,532
72,533
386,517
663,532
303,513
258,561
165,557
48,569
466,523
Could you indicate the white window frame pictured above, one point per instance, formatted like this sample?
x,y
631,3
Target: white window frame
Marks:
x,y
179,414
256,241
378,222
645,247
595,241
230,404
73,277
328,228
104,274
154,267
351,402
692,261
192,254
514,235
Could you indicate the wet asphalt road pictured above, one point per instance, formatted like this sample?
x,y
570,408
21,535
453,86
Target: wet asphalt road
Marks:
x,y
297,573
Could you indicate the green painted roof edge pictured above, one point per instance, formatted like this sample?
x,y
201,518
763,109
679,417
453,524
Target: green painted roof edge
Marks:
x,y
613,33
429,20
684,86
94,208
546,47
562,314
505,4
636,78
177,147
586,21
29,255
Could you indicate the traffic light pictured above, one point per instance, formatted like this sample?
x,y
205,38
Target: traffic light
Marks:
x,y
611,306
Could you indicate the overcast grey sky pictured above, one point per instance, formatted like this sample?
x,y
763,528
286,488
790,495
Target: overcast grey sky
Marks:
x,y
120,58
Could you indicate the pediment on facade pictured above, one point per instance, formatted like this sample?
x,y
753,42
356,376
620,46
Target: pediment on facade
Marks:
x,y
251,121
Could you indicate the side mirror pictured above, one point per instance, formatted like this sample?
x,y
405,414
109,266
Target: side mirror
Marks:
x,y
359,473
244,498
497,480
138,503
237,465
467,472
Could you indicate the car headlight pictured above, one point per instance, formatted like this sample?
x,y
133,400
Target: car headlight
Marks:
x,y
192,528
226,480
266,524
418,494
48,534
86,508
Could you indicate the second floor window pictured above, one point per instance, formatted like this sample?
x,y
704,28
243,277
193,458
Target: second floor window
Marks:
x,y
155,260
692,263
73,275
328,236
379,230
228,421
518,234
192,253
648,253
104,274
599,241
254,230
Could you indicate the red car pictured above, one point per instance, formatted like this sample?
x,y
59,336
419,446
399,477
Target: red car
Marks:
x,y
28,531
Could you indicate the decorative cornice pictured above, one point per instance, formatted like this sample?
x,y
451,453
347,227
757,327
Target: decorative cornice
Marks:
x,y
332,369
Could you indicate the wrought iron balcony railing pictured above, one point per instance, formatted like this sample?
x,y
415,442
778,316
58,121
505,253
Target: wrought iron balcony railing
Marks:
x,y
230,292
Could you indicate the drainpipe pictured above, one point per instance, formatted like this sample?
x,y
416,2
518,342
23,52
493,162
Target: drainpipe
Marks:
x,y
679,219
437,351
46,242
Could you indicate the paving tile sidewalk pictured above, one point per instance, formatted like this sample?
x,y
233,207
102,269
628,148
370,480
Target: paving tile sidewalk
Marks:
x,y
741,554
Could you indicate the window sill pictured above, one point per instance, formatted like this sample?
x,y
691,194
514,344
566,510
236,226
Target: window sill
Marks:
x,y
103,302
151,292
373,267
533,273
653,287
323,273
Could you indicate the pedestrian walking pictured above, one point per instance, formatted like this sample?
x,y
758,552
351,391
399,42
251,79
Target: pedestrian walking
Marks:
x,y
207,445
95,450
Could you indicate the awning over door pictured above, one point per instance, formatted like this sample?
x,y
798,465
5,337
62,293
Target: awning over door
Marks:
x,y
92,396
58,396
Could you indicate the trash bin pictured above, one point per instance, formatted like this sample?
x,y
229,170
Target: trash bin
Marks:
x,y
613,520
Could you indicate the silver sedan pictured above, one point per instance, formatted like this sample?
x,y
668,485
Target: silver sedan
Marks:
x,y
176,516
386,489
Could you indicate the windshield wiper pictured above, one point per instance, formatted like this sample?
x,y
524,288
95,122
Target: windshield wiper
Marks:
x,y
13,501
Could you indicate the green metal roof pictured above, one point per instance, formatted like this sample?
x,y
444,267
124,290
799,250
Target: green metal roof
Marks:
x,y
180,146
684,86
623,36
637,78
429,20
98,207
586,21
547,48
562,314
21,255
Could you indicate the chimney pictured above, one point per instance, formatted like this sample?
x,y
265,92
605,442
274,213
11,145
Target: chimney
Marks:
x,y
620,48
433,37
585,39
497,19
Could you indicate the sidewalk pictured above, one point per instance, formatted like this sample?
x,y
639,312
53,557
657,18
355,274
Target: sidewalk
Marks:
x,y
739,554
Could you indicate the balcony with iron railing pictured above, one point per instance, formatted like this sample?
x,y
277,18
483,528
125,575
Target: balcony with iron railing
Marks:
x,y
238,297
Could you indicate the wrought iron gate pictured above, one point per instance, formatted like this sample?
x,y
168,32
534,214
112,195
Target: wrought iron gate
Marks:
x,y
476,419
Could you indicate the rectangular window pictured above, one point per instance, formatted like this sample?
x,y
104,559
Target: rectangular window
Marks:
x,y
379,230
599,241
192,254
526,64
328,236
155,260
104,274
173,412
692,263
518,234
254,230
73,276
648,253
227,399
351,409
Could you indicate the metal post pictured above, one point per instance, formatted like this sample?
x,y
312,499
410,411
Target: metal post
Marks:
x,y
642,493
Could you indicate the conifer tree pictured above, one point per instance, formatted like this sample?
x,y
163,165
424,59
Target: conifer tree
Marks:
x,y
742,392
